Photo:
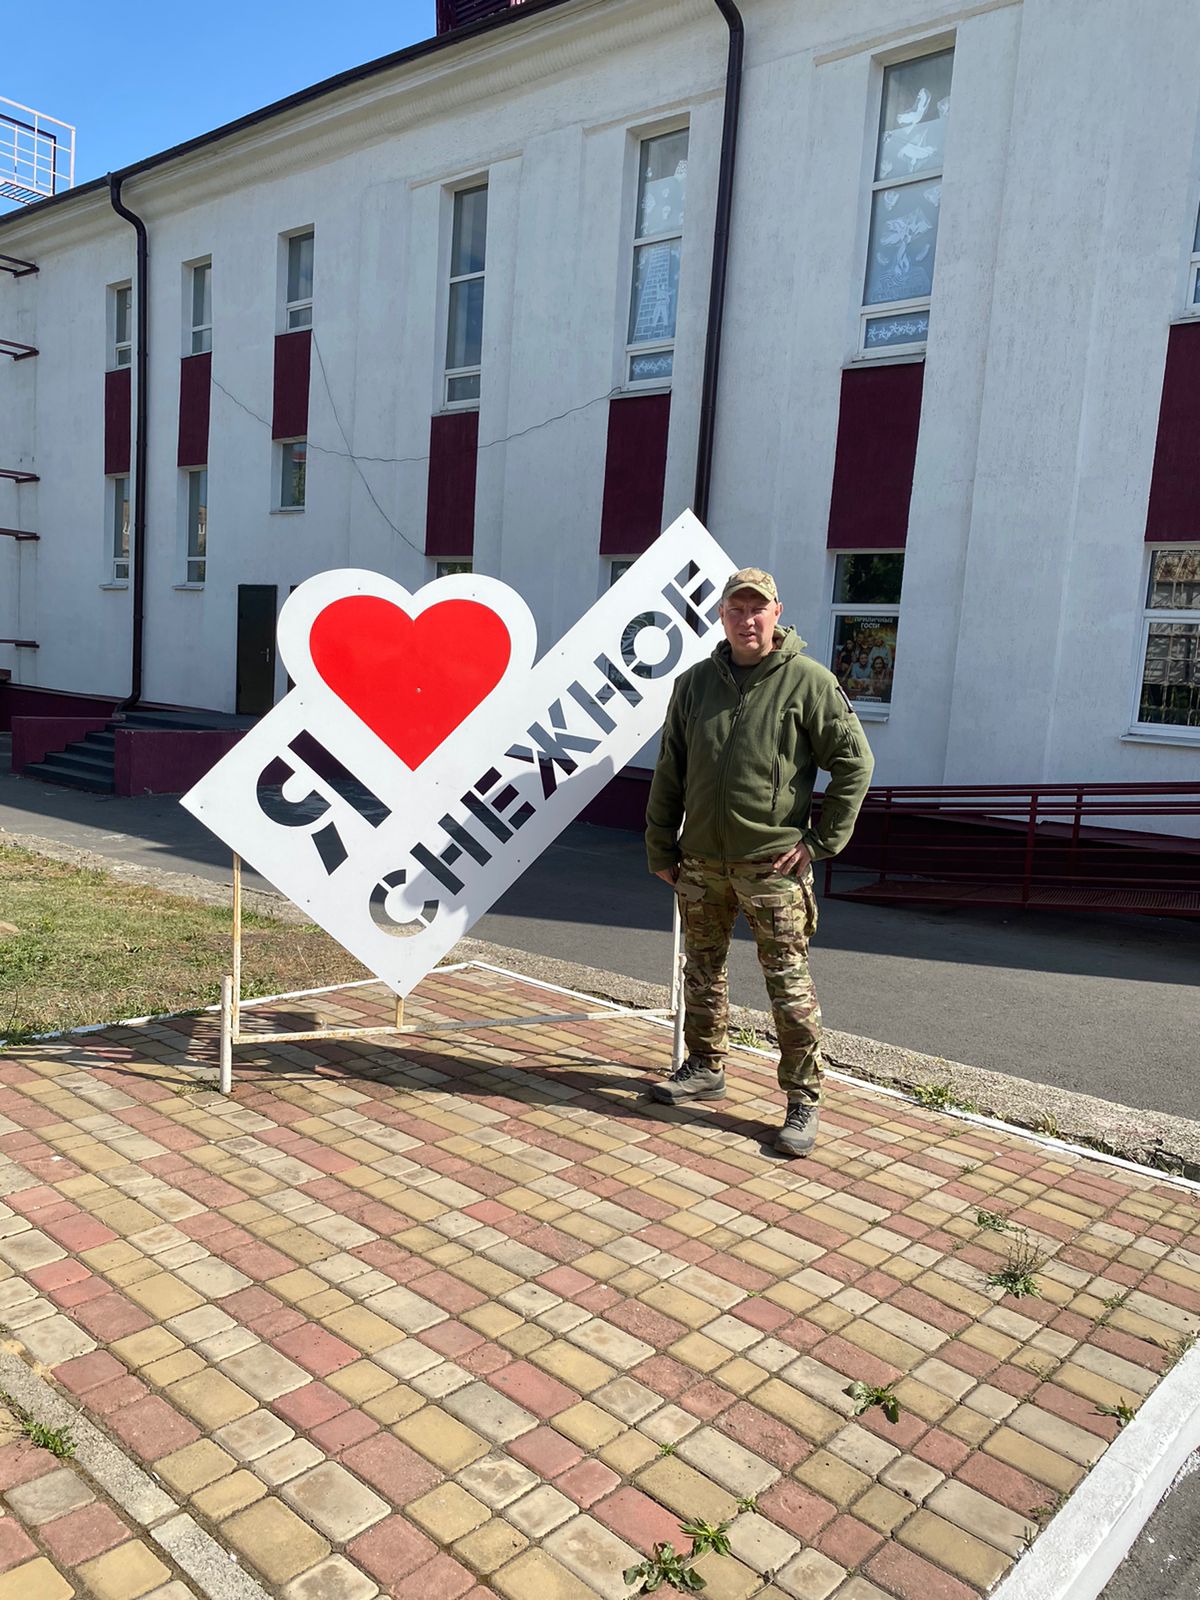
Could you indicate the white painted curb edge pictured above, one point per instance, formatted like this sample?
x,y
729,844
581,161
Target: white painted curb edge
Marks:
x,y
1092,1534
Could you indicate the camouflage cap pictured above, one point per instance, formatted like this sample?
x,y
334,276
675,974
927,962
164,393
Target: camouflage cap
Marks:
x,y
751,578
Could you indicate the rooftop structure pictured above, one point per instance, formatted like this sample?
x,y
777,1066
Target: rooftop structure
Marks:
x,y
37,154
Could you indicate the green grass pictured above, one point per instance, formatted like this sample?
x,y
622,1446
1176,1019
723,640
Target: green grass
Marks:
x,y
938,1097
93,949
1018,1275
59,1441
706,1536
1122,1411
667,1448
748,1039
993,1221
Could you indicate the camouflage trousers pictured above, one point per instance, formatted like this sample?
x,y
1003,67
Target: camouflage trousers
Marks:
x,y
782,913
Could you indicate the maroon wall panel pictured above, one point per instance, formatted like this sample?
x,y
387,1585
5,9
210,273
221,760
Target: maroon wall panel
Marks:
x,y
450,517
878,423
118,401
195,392
635,469
289,410
1174,510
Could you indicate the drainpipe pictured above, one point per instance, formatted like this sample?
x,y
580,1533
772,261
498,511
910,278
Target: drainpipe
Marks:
x,y
139,442
720,261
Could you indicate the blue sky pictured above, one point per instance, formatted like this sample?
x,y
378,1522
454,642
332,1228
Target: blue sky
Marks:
x,y
147,75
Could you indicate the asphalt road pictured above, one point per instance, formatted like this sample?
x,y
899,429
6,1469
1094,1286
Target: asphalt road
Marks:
x,y
1109,1006
1164,1563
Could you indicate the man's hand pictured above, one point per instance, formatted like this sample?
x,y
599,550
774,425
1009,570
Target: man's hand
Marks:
x,y
669,875
795,863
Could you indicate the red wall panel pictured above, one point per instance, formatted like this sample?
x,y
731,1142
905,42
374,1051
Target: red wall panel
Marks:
x,y
878,424
450,515
1174,509
118,405
195,392
289,409
635,470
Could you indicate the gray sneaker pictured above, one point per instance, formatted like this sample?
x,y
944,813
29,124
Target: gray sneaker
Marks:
x,y
799,1131
696,1079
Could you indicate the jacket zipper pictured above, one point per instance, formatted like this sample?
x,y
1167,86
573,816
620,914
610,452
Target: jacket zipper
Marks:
x,y
775,777
723,774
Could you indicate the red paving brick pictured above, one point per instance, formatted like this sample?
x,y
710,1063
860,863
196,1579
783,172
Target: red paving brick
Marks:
x,y
82,1534
640,1521
390,1466
391,1550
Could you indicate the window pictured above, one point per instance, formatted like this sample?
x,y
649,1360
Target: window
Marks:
x,y
1194,269
118,529
201,307
866,615
906,197
657,246
1169,693
294,459
197,524
298,311
464,332
121,353
450,569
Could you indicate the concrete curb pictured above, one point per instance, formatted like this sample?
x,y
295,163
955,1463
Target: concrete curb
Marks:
x,y
1090,1537
209,1565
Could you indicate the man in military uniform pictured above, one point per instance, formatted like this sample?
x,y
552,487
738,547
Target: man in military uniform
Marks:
x,y
745,733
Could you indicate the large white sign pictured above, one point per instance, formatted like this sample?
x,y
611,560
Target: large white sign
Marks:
x,y
425,759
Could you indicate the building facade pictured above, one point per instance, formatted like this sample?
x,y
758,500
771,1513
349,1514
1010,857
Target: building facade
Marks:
x,y
452,309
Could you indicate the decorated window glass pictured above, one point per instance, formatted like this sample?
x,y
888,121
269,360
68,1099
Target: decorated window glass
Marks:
x,y
906,200
866,620
657,246
1169,689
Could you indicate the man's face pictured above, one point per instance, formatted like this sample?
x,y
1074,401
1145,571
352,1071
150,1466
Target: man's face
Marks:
x,y
749,622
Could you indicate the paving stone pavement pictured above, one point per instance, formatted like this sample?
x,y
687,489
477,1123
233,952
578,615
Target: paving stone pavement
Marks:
x,y
468,1315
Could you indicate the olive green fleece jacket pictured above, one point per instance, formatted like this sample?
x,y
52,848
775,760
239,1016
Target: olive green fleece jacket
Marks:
x,y
737,766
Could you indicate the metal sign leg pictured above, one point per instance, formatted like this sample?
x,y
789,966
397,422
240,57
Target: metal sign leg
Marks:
x,y
678,958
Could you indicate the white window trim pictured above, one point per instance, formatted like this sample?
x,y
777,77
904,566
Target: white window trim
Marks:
x,y
195,328
112,578
277,506
189,582
306,301
636,241
471,403
117,347
866,711
893,308
1158,732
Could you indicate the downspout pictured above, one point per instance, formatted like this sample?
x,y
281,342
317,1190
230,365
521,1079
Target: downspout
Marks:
x,y
139,442
720,260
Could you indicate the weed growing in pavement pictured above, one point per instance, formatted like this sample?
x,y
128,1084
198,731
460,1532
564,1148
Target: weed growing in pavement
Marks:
x,y
1048,1125
866,1395
1178,1348
1018,1275
938,1097
1043,1514
1122,1411
993,1221
666,1565
1114,1302
748,1038
59,1441
706,1536
748,1502
667,1448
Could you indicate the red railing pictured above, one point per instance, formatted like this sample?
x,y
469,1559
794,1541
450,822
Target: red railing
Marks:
x,y
1048,846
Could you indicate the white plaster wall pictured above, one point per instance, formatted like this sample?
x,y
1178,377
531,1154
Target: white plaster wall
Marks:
x,y
1061,262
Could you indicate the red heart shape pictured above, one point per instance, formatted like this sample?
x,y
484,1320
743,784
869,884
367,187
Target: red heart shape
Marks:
x,y
411,680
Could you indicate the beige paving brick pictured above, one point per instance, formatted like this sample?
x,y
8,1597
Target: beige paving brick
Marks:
x,y
1057,1434
254,1435
761,1544
540,1510
335,1502
140,1349
211,1399
497,1480
164,1296
726,1462
1034,1459
694,1350
628,1453
860,1448
980,1515
274,1540
440,1438
828,1475
940,1541
882,1509
574,1367
593,1553
490,1413
35,1580
194,1466
815,1422
685,1491
608,1343
361,1380
287,1462
333,1579
588,1425
126,1573
490,1546
362,1328
811,1576
226,1495
537,1574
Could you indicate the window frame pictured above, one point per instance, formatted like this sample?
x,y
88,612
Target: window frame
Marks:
x,y
453,374
282,446
1172,732
201,331
192,580
639,138
303,302
921,304
452,566
865,710
113,501
120,351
